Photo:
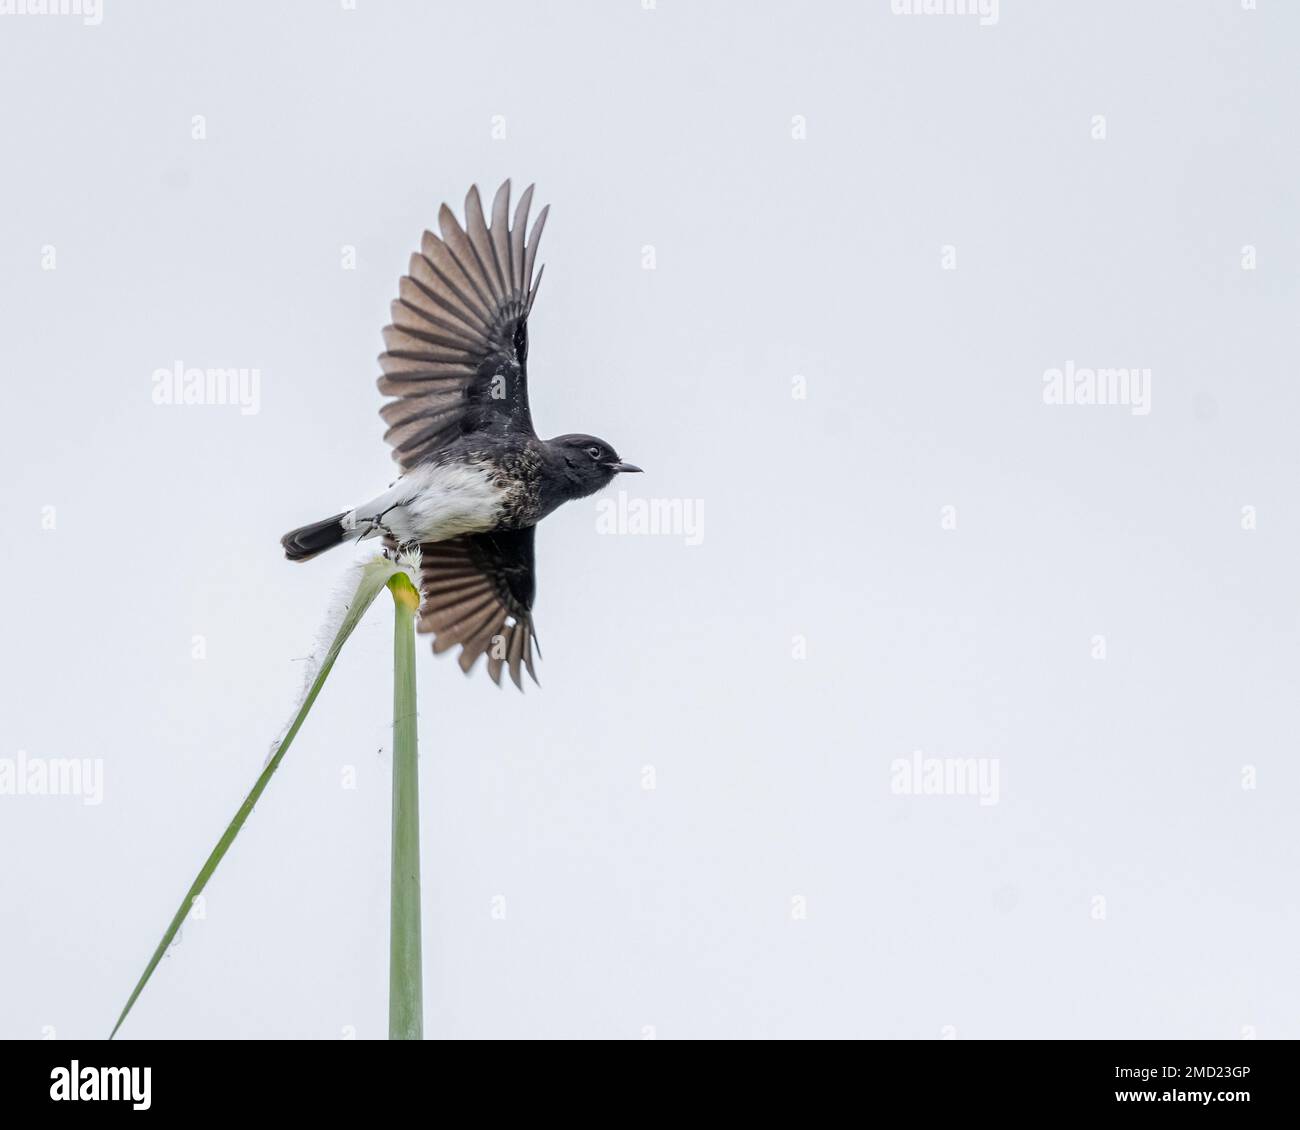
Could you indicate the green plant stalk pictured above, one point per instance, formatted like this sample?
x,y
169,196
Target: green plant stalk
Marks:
x,y
405,982
375,575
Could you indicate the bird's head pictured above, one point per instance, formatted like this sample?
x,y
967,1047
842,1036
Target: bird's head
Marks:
x,y
588,463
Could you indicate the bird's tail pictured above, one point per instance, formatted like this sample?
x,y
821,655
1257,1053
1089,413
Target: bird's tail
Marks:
x,y
306,542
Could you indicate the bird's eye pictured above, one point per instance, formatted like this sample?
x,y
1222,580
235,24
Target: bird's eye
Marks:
x,y
594,452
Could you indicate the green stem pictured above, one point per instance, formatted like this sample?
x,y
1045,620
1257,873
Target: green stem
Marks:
x,y
405,985
373,578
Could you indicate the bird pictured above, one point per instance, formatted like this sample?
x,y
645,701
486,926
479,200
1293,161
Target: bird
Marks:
x,y
475,478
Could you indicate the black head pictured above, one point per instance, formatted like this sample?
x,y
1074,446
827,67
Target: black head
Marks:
x,y
586,462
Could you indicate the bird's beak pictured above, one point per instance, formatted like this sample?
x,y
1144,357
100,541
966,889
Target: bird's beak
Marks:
x,y
623,467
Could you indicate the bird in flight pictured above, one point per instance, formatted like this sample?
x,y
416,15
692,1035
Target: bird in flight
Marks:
x,y
475,478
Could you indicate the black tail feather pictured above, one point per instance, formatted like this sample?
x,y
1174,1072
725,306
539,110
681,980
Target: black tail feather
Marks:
x,y
306,542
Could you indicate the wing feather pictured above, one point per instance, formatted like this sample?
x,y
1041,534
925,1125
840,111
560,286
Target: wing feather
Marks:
x,y
459,330
517,243
477,591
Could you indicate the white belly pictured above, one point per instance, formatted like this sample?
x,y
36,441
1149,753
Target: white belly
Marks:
x,y
432,503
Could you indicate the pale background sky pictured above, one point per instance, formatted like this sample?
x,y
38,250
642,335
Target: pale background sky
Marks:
x,y
670,910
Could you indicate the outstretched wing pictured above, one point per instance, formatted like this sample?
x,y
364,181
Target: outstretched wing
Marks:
x,y
458,345
478,592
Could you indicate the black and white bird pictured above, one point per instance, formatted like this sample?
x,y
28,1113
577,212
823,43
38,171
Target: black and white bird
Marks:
x,y
475,480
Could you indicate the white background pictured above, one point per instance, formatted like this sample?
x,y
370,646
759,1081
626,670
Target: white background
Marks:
x,y
669,910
